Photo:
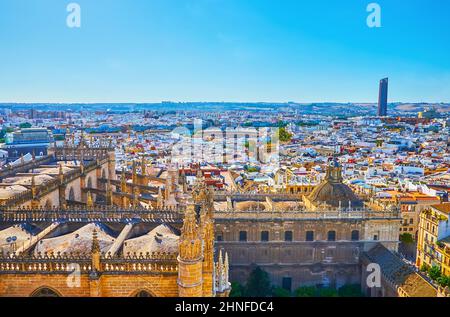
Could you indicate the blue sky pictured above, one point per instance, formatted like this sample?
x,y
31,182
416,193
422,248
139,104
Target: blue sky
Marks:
x,y
223,50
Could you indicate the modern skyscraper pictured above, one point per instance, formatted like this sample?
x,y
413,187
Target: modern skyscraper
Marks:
x,y
382,97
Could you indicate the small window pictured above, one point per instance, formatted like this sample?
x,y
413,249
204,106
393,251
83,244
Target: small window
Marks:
x,y
309,235
375,237
411,221
288,236
355,235
287,283
219,238
331,235
264,236
242,236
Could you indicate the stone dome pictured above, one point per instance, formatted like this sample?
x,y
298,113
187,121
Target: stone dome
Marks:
x,y
333,193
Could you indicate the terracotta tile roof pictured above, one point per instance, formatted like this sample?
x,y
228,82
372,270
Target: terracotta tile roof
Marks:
x,y
445,208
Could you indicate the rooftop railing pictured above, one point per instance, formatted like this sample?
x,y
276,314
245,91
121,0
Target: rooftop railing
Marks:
x,y
155,262
95,214
303,214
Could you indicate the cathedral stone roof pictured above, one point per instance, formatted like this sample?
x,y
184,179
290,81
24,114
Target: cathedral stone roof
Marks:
x,y
161,239
78,241
332,191
399,273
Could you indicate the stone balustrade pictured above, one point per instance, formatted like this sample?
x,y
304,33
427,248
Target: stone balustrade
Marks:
x,y
306,215
93,214
155,262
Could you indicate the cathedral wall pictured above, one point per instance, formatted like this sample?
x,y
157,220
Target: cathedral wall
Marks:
x,y
128,285
229,229
50,200
24,285
308,262
385,231
302,275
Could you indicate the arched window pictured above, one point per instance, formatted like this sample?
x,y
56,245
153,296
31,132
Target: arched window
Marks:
x,y
89,183
44,292
355,235
332,235
71,194
143,294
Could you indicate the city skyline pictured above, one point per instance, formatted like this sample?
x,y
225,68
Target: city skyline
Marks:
x,y
234,51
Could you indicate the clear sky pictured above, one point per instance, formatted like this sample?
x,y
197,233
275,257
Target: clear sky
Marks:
x,y
223,50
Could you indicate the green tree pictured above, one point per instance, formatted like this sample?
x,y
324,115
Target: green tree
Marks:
x,y
305,291
282,124
258,284
251,169
237,290
351,290
424,268
327,292
280,292
406,238
443,280
434,272
284,135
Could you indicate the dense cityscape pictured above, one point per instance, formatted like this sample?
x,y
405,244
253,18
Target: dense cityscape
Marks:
x,y
210,156
222,199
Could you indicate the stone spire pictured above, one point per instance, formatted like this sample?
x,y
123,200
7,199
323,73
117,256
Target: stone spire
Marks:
x,y
33,188
143,166
34,194
135,196
190,277
90,202
226,267
123,181
207,232
61,174
222,282
95,247
190,236
134,173
95,252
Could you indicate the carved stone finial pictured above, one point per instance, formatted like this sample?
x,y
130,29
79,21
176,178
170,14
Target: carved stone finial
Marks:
x,y
95,244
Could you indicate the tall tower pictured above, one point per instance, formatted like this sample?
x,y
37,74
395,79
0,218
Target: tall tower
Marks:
x,y
383,97
190,258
